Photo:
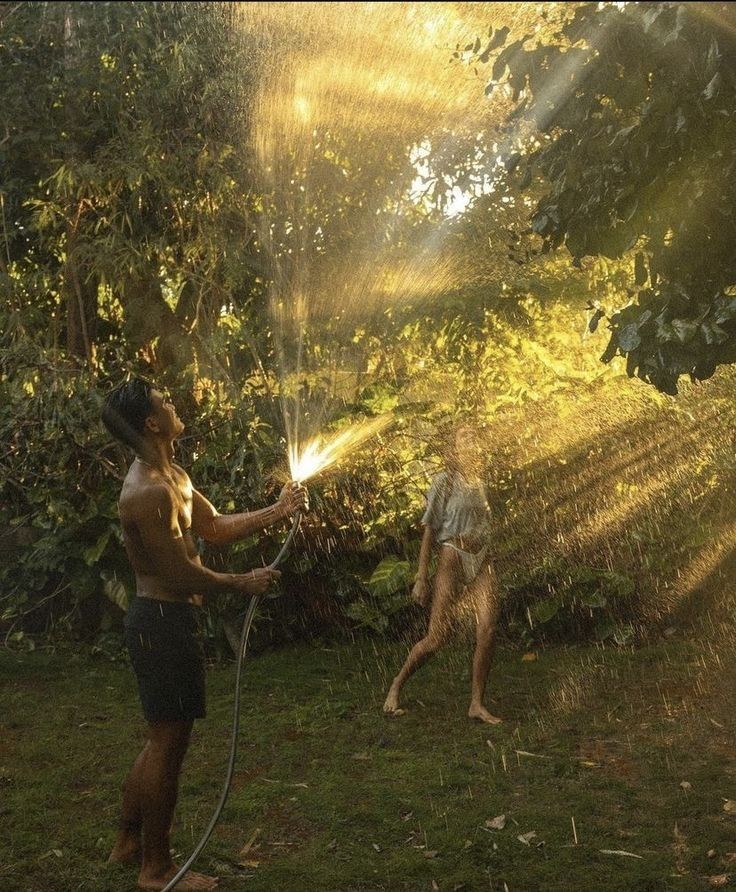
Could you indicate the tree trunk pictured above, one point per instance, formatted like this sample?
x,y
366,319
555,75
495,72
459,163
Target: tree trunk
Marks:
x,y
81,304
151,324
80,295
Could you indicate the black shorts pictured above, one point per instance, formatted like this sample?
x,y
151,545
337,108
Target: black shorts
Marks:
x,y
167,659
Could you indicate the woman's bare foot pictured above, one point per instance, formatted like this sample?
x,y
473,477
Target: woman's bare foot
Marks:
x,y
391,706
127,850
481,713
190,882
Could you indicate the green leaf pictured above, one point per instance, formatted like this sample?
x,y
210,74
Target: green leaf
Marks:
x,y
543,611
116,592
640,269
713,333
684,331
714,86
619,583
595,319
623,634
389,576
94,552
596,599
628,337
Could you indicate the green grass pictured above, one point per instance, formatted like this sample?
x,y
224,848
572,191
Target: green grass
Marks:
x,y
341,798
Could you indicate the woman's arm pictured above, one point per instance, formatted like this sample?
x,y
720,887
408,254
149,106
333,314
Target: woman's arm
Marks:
x,y
420,592
425,553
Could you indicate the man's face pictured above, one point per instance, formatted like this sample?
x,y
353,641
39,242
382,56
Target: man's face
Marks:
x,y
166,422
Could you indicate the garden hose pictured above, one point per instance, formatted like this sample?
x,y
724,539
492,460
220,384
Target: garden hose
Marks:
x,y
247,622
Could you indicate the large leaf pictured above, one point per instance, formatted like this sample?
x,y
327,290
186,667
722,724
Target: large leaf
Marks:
x,y
544,611
115,591
684,330
389,576
94,552
595,599
628,337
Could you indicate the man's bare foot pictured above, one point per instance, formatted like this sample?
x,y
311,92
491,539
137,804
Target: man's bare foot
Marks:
x,y
391,706
127,850
482,714
190,882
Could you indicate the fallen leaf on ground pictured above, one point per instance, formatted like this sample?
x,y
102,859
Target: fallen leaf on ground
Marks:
x,y
249,845
527,658
730,857
433,854
526,838
497,823
719,880
249,862
376,847
729,806
686,785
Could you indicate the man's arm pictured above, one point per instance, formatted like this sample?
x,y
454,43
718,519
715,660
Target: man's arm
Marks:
x,y
158,524
223,529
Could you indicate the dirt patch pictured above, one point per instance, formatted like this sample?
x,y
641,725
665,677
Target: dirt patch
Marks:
x,y
608,755
279,834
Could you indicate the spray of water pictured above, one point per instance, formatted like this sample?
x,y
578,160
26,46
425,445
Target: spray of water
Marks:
x,y
311,458
350,94
347,93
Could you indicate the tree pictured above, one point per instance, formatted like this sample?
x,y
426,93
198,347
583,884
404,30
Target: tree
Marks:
x,y
634,136
125,206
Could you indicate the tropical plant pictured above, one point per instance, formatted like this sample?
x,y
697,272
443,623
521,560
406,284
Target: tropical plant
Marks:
x,y
625,116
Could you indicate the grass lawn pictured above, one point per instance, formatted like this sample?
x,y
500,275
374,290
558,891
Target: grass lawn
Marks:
x,y
635,746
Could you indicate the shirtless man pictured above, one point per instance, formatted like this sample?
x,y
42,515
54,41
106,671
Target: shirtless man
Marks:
x,y
161,512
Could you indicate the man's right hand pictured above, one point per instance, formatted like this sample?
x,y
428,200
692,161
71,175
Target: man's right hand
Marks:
x,y
293,498
255,582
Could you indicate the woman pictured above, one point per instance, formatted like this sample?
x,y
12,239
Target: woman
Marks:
x,y
458,520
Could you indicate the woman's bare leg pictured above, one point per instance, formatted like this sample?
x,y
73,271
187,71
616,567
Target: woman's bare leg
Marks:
x,y
484,596
446,587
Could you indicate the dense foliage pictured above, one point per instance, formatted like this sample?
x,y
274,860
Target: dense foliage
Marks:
x,y
138,235
626,114
124,210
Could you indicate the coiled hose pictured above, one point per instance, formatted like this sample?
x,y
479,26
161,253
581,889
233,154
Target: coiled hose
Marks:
x,y
242,647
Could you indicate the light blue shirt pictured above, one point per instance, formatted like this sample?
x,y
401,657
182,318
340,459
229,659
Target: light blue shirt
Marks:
x,y
461,513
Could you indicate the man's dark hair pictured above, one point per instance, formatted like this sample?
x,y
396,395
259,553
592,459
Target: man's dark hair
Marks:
x,y
126,409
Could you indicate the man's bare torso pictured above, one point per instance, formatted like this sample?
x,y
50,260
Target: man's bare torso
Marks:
x,y
136,500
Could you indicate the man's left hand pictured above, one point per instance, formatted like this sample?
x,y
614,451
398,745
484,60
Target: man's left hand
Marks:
x,y
293,498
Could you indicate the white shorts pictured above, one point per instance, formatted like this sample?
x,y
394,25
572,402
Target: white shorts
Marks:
x,y
471,563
